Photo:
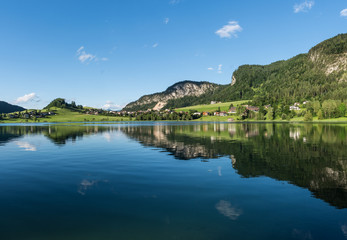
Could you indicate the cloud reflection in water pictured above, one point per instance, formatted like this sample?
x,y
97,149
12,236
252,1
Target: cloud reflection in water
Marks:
x,y
225,208
26,146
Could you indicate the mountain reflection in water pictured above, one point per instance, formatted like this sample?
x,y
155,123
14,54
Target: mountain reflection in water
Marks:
x,y
312,156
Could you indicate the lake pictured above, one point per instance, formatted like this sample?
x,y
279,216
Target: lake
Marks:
x,y
173,180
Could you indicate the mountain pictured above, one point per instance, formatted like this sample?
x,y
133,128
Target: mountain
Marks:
x,y
179,90
8,108
320,74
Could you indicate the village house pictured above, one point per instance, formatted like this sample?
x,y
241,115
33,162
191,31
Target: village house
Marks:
x,y
252,108
232,110
221,114
294,108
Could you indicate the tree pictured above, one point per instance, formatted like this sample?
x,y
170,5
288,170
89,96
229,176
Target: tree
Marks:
x,y
308,116
329,107
240,110
310,106
342,109
316,106
270,114
320,114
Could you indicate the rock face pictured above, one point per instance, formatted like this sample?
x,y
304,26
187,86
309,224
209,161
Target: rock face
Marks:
x,y
157,101
331,56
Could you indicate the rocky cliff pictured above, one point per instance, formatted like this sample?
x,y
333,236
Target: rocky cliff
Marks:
x,y
158,101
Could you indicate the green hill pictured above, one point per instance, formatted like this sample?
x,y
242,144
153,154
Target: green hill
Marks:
x,y
61,103
8,108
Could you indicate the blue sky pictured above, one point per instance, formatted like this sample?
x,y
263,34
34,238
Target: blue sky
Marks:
x,y
108,53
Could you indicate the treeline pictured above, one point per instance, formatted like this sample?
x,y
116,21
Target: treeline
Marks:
x,y
327,109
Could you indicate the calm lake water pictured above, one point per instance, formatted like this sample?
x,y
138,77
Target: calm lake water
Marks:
x,y
173,181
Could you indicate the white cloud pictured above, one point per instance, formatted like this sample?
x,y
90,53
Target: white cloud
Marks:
x,y
343,13
166,20
303,7
111,106
155,45
229,30
104,59
84,57
80,49
225,208
31,97
219,70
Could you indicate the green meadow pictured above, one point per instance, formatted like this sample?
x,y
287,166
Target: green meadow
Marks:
x,y
66,115
212,107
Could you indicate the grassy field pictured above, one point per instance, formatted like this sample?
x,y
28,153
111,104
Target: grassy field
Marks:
x,y
211,107
65,115
215,118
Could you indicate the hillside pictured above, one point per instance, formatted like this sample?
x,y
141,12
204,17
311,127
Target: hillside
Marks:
x,y
179,90
320,74
61,103
8,108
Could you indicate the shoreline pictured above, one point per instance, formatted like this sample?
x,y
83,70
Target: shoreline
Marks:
x,y
342,121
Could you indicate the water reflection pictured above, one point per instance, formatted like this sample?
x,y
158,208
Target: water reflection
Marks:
x,y
26,146
58,134
312,156
344,230
225,208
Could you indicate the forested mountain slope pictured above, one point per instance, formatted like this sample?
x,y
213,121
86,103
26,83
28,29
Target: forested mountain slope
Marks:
x,y
8,108
319,74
